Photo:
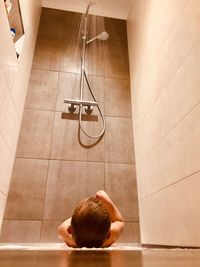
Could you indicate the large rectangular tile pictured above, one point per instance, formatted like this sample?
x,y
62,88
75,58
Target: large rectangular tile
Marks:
x,y
6,164
175,157
116,29
71,57
161,56
68,183
10,124
2,208
20,231
48,53
171,216
117,97
95,58
49,232
119,140
66,142
18,92
59,24
68,88
35,134
27,190
120,184
171,106
130,234
116,62
52,23
42,91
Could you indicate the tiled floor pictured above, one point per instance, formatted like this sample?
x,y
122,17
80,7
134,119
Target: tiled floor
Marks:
x,y
102,258
56,167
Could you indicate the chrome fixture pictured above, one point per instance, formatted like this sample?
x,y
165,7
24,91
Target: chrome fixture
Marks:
x,y
73,103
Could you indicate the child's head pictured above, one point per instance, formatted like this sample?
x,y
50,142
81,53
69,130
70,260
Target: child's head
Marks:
x,y
90,223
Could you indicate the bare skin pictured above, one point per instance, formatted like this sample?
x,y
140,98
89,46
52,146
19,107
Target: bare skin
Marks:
x,y
117,223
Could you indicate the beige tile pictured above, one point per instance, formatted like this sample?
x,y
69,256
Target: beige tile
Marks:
x,y
48,53
65,142
131,233
2,207
27,190
119,140
117,62
171,106
175,157
171,216
18,92
117,97
10,124
68,183
95,59
52,23
49,232
68,88
71,57
116,29
20,231
120,184
42,91
59,24
161,56
4,94
6,164
35,134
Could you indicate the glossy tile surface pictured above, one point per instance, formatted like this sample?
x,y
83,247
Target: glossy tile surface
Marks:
x,y
147,258
27,190
68,183
117,97
120,183
20,231
35,135
42,91
119,140
65,140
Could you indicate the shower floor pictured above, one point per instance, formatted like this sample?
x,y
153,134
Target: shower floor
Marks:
x,y
119,256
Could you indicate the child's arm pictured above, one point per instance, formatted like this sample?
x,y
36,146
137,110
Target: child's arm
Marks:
x,y
64,233
117,220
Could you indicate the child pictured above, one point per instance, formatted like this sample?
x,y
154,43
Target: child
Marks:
x,y
96,222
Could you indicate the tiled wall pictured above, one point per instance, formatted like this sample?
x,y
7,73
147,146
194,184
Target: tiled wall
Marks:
x,y
14,76
52,170
165,61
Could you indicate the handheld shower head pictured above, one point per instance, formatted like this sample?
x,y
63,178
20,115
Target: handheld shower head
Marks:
x,y
102,37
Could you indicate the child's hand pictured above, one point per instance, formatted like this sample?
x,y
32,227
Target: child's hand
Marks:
x,y
102,195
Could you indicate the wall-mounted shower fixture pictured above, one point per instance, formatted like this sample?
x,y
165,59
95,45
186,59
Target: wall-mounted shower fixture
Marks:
x,y
102,37
73,103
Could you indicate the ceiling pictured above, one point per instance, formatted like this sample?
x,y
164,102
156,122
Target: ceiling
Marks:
x,y
107,8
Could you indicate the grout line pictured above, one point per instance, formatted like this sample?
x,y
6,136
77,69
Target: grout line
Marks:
x,y
62,111
71,160
167,186
169,130
89,74
167,83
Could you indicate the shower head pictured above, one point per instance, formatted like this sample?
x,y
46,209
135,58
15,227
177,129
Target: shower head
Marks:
x,y
103,36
